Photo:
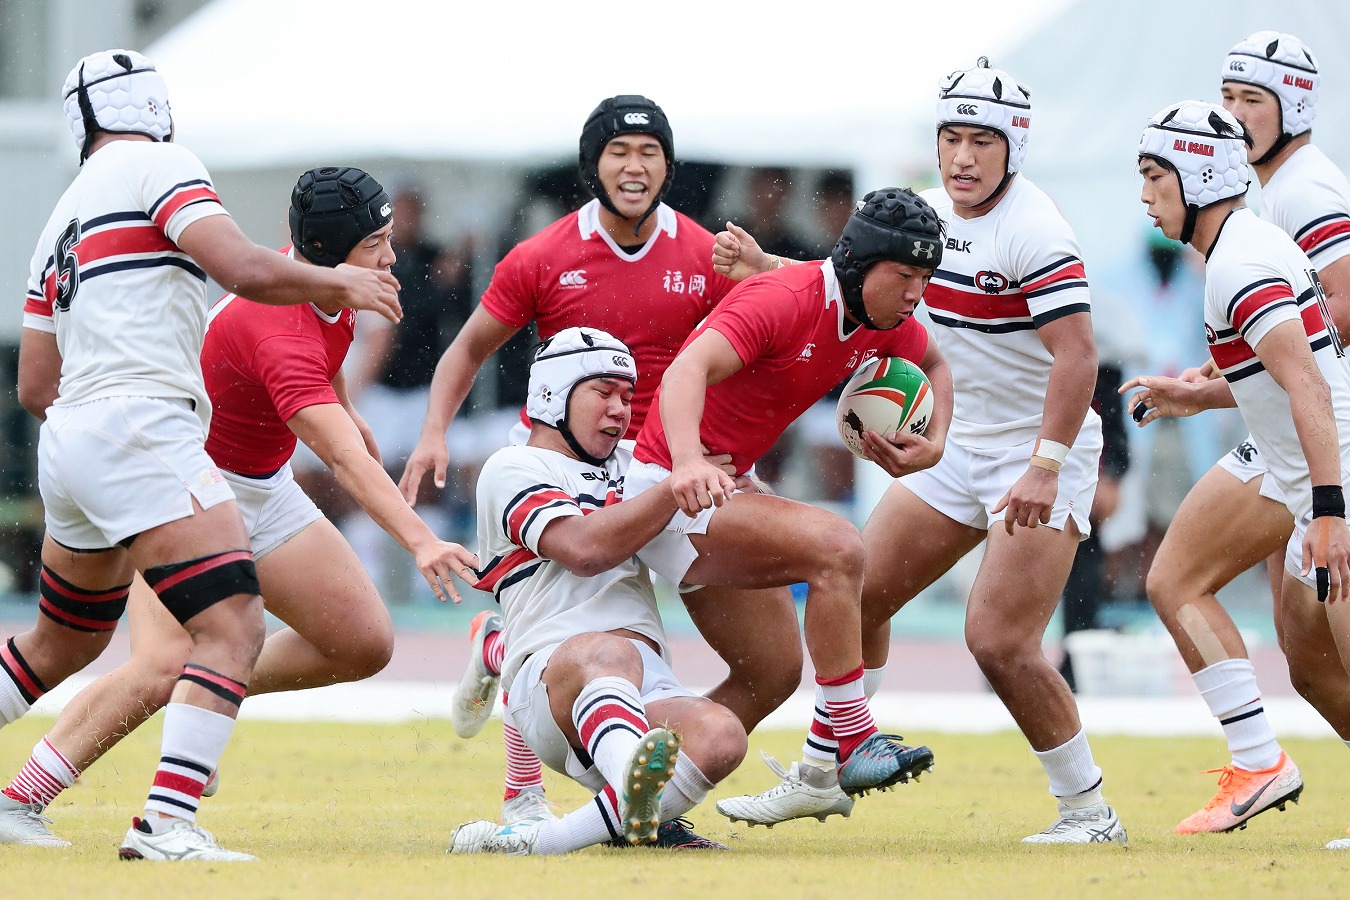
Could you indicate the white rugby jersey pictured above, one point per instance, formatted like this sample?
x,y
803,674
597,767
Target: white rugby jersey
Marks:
x,y
1257,278
1003,274
520,491
127,306
1309,199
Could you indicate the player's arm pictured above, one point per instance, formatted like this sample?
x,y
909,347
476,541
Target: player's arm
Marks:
x,y
597,542
265,276
901,453
345,398
327,430
1073,375
737,255
39,371
1285,353
1162,396
481,336
708,359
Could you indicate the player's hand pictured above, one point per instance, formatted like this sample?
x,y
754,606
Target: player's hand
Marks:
x,y
721,460
437,560
749,483
373,289
1029,502
900,452
699,485
1161,396
429,454
1326,552
737,255
1200,374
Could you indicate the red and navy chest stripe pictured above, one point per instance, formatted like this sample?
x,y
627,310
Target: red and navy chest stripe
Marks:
x,y
993,304
520,515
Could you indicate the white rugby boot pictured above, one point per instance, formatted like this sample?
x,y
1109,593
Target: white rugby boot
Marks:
x,y
483,836
24,823
182,841
471,704
1091,825
530,805
804,792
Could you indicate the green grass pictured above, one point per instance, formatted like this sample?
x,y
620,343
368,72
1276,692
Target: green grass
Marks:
x,y
362,811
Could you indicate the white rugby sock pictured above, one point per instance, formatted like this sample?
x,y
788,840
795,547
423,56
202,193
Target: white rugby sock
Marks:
x,y
610,720
1230,690
595,823
1074,778
687,788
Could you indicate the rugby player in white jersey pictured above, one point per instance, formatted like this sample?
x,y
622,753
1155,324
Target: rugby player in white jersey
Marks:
x,y
125,480
1235,515
1011,314
1281,363
273,374
586,666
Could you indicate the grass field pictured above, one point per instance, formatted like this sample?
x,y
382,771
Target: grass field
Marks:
x,y
360,811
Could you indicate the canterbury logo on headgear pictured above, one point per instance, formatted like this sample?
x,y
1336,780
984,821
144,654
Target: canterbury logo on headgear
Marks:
x,y
967,109
386,210
636,118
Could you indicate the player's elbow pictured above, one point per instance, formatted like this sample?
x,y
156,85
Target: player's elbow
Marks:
x,y
36,397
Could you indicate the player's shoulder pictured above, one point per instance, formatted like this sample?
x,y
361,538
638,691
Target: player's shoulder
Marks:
x,y
937,198
1248,249
522,458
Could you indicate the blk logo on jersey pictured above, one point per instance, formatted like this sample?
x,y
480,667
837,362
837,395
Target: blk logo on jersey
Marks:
x,y
575,278
958,246
991,282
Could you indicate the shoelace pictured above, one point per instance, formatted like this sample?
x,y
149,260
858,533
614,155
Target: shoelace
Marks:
x,y
786,779
1226,776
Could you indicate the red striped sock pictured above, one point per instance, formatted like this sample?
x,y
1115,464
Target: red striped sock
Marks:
x,y
46,774
494,651
194,739
20,687
850,717
523,769
821,747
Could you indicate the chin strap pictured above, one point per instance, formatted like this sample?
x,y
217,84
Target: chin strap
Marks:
x,y
577,448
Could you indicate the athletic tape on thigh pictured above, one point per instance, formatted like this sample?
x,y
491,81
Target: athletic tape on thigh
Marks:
x,y
187,588
223,686
74,607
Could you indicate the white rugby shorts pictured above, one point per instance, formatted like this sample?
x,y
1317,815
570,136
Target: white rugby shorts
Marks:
x,y
967,483
670,553
530,710
1244,462
115,467
274,509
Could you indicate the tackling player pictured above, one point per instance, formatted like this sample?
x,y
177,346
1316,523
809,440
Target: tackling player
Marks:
x,y
125,479
775,346
1235,515
630,265
1011,312
1271,339
586,664
273,374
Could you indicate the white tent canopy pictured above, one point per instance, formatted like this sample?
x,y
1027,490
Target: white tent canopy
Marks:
x,y
267,82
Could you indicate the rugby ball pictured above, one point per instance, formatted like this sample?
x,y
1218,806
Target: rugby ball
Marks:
x,y
887,394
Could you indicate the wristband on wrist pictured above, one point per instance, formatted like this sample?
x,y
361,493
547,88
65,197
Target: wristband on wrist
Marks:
x,y
777,261
1045,462
1051,450
1328,500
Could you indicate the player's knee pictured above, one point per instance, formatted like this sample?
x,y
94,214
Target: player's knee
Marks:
x,y
369,652
996,646
720,743
1164,585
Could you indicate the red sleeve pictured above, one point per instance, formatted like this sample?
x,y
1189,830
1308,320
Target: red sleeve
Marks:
x,y
512,293
292,367
758,317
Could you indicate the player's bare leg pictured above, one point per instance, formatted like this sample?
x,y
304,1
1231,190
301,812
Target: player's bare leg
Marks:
x,y
339,629
755,633
760,541
1222,528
